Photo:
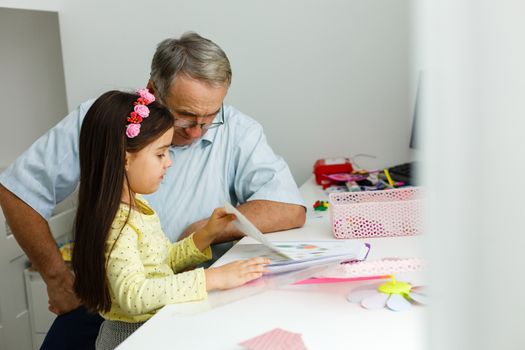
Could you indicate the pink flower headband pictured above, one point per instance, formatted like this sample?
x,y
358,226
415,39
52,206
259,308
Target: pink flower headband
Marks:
x,y
140,111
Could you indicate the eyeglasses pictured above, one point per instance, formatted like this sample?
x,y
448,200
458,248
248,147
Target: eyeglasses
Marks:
x,y
188,124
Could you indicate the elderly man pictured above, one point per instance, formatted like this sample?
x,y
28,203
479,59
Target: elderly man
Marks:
x,y
219,154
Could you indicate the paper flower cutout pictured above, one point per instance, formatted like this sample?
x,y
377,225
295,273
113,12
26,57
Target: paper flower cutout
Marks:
x,y
395,295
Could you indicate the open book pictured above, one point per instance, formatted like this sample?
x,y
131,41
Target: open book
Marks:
x,y
293,255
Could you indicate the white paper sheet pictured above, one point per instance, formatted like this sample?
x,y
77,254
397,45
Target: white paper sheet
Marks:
x,y
293,255
244,225
339,251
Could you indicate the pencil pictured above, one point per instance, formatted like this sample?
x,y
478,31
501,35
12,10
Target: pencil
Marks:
x,y
389,178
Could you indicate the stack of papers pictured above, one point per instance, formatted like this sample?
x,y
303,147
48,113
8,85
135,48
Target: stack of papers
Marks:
x,y
293,255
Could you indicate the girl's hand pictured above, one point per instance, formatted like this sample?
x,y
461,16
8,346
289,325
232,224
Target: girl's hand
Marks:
x,y
235,273
216,224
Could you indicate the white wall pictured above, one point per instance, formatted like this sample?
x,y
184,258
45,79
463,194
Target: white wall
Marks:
x,y
43,5
325,78
32,75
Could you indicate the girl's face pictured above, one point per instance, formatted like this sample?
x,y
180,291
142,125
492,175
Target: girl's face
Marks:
x,y
146,168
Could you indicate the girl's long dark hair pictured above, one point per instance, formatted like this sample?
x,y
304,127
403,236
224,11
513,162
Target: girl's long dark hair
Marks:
x,y
103,145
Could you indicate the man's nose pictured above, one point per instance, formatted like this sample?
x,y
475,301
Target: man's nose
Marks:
x,y
194,132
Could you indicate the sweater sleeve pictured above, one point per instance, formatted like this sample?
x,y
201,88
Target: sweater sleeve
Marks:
x,y
133,290
184,254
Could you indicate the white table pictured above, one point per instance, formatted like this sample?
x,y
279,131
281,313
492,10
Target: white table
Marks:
x,y
320,312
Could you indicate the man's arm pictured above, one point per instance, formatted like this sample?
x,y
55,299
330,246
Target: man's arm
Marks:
x,y
267,216
32,233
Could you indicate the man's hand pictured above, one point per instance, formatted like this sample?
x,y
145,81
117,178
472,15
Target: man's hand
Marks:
x,y
62,297
32,233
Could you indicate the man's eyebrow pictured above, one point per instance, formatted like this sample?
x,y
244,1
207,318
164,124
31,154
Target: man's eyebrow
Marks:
x,y
191,114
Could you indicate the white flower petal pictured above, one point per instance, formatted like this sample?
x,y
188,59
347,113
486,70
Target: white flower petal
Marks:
x,y
374,302
418,298
420,290
397,302
357,295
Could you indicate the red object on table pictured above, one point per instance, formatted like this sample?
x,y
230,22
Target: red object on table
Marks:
x,y
327,166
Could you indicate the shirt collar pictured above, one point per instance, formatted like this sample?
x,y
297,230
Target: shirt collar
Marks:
x,y
209,136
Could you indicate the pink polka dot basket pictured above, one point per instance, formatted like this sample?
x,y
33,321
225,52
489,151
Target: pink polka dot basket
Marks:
x,y
387,213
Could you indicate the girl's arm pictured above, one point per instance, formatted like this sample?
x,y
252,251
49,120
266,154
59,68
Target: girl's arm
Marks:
x,y
134,292
185,253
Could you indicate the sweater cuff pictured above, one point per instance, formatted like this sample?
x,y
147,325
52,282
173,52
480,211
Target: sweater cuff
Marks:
x,y
201,280
206,254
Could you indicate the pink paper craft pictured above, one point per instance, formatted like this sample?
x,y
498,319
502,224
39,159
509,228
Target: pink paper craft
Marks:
x,y
276,339
322,280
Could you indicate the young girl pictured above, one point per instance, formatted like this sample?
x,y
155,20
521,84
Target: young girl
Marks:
x,y
125,267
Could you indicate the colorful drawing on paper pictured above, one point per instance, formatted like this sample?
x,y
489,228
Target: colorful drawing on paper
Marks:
x,y
301,250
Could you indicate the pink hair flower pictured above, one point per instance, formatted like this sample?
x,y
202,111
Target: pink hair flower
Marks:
x,y
146,95
134,118
141,110
132,130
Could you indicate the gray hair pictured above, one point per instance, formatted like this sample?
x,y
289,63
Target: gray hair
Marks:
x,y
191,55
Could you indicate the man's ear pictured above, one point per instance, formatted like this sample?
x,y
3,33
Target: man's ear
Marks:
x,y
151,88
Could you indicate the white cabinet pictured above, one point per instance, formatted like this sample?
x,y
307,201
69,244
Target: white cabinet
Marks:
x,y
37,300
24,316
14,315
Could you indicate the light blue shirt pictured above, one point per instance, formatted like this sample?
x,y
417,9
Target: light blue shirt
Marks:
x,y
232,163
